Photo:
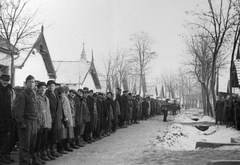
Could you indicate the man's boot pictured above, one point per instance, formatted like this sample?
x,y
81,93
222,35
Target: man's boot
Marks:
x,y
50,156
67,147
44,156
79,142
41,161
35,160
55,154
73,145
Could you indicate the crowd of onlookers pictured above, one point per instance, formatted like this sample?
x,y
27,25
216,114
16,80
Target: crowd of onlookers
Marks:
x,y
226,115
46,120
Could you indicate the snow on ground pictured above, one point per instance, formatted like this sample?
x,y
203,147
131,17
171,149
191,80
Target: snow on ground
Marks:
x,y
189,116
183,135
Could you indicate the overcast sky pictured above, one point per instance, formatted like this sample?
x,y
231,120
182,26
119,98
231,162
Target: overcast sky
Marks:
x,y
104,25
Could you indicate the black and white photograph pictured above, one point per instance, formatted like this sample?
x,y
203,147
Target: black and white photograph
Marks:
x,y
119,82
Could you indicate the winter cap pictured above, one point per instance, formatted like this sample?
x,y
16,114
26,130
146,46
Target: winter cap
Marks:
x,y
30,77
91,91
80,90
125,91
119,89
57,84
66,88
51,82
74,91
85,89
100,94
60,90
41,84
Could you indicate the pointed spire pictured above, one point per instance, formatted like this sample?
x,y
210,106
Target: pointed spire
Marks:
x,y
83,54
92,56
42,29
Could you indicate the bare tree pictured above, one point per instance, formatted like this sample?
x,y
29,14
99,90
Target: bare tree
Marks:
x,y
218,23
116,68
109,68
142,53
200,65
169,81
17,25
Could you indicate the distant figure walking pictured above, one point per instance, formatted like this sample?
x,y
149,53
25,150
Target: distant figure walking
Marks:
x,y
219,110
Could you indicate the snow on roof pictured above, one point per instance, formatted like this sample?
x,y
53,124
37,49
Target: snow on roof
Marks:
x,y
75,72
5,48
71,72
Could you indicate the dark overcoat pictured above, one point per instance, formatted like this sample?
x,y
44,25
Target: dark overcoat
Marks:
x,y
119,100
5,107
78,110
125,107
57,116
145,106
100,115
104,115
90,125
219,110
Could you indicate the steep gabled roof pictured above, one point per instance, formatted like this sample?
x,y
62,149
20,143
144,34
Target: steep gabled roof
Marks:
x,y
75,72
4,47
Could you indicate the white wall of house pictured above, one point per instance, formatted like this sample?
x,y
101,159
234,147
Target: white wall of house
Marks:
x,y
89,83
34,66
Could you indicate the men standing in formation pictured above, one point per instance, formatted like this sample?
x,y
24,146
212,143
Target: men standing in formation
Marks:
x,y
53,120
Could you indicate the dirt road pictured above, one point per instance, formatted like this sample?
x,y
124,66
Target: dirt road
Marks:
x,y
136,145
125,147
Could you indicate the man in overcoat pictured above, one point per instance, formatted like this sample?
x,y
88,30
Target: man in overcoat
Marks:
x,y
145,107
44,109
118,103
125,107
57,116
78,119
6,119
25,113
85,115
89,128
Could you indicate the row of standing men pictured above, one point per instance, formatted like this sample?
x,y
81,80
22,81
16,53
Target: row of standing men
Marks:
x,y
49,120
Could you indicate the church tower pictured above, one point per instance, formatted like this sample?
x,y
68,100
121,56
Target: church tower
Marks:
x,y
83,55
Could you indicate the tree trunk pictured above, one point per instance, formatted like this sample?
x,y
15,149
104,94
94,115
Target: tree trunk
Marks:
x,y
204,105
140,84
12,70
213,94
